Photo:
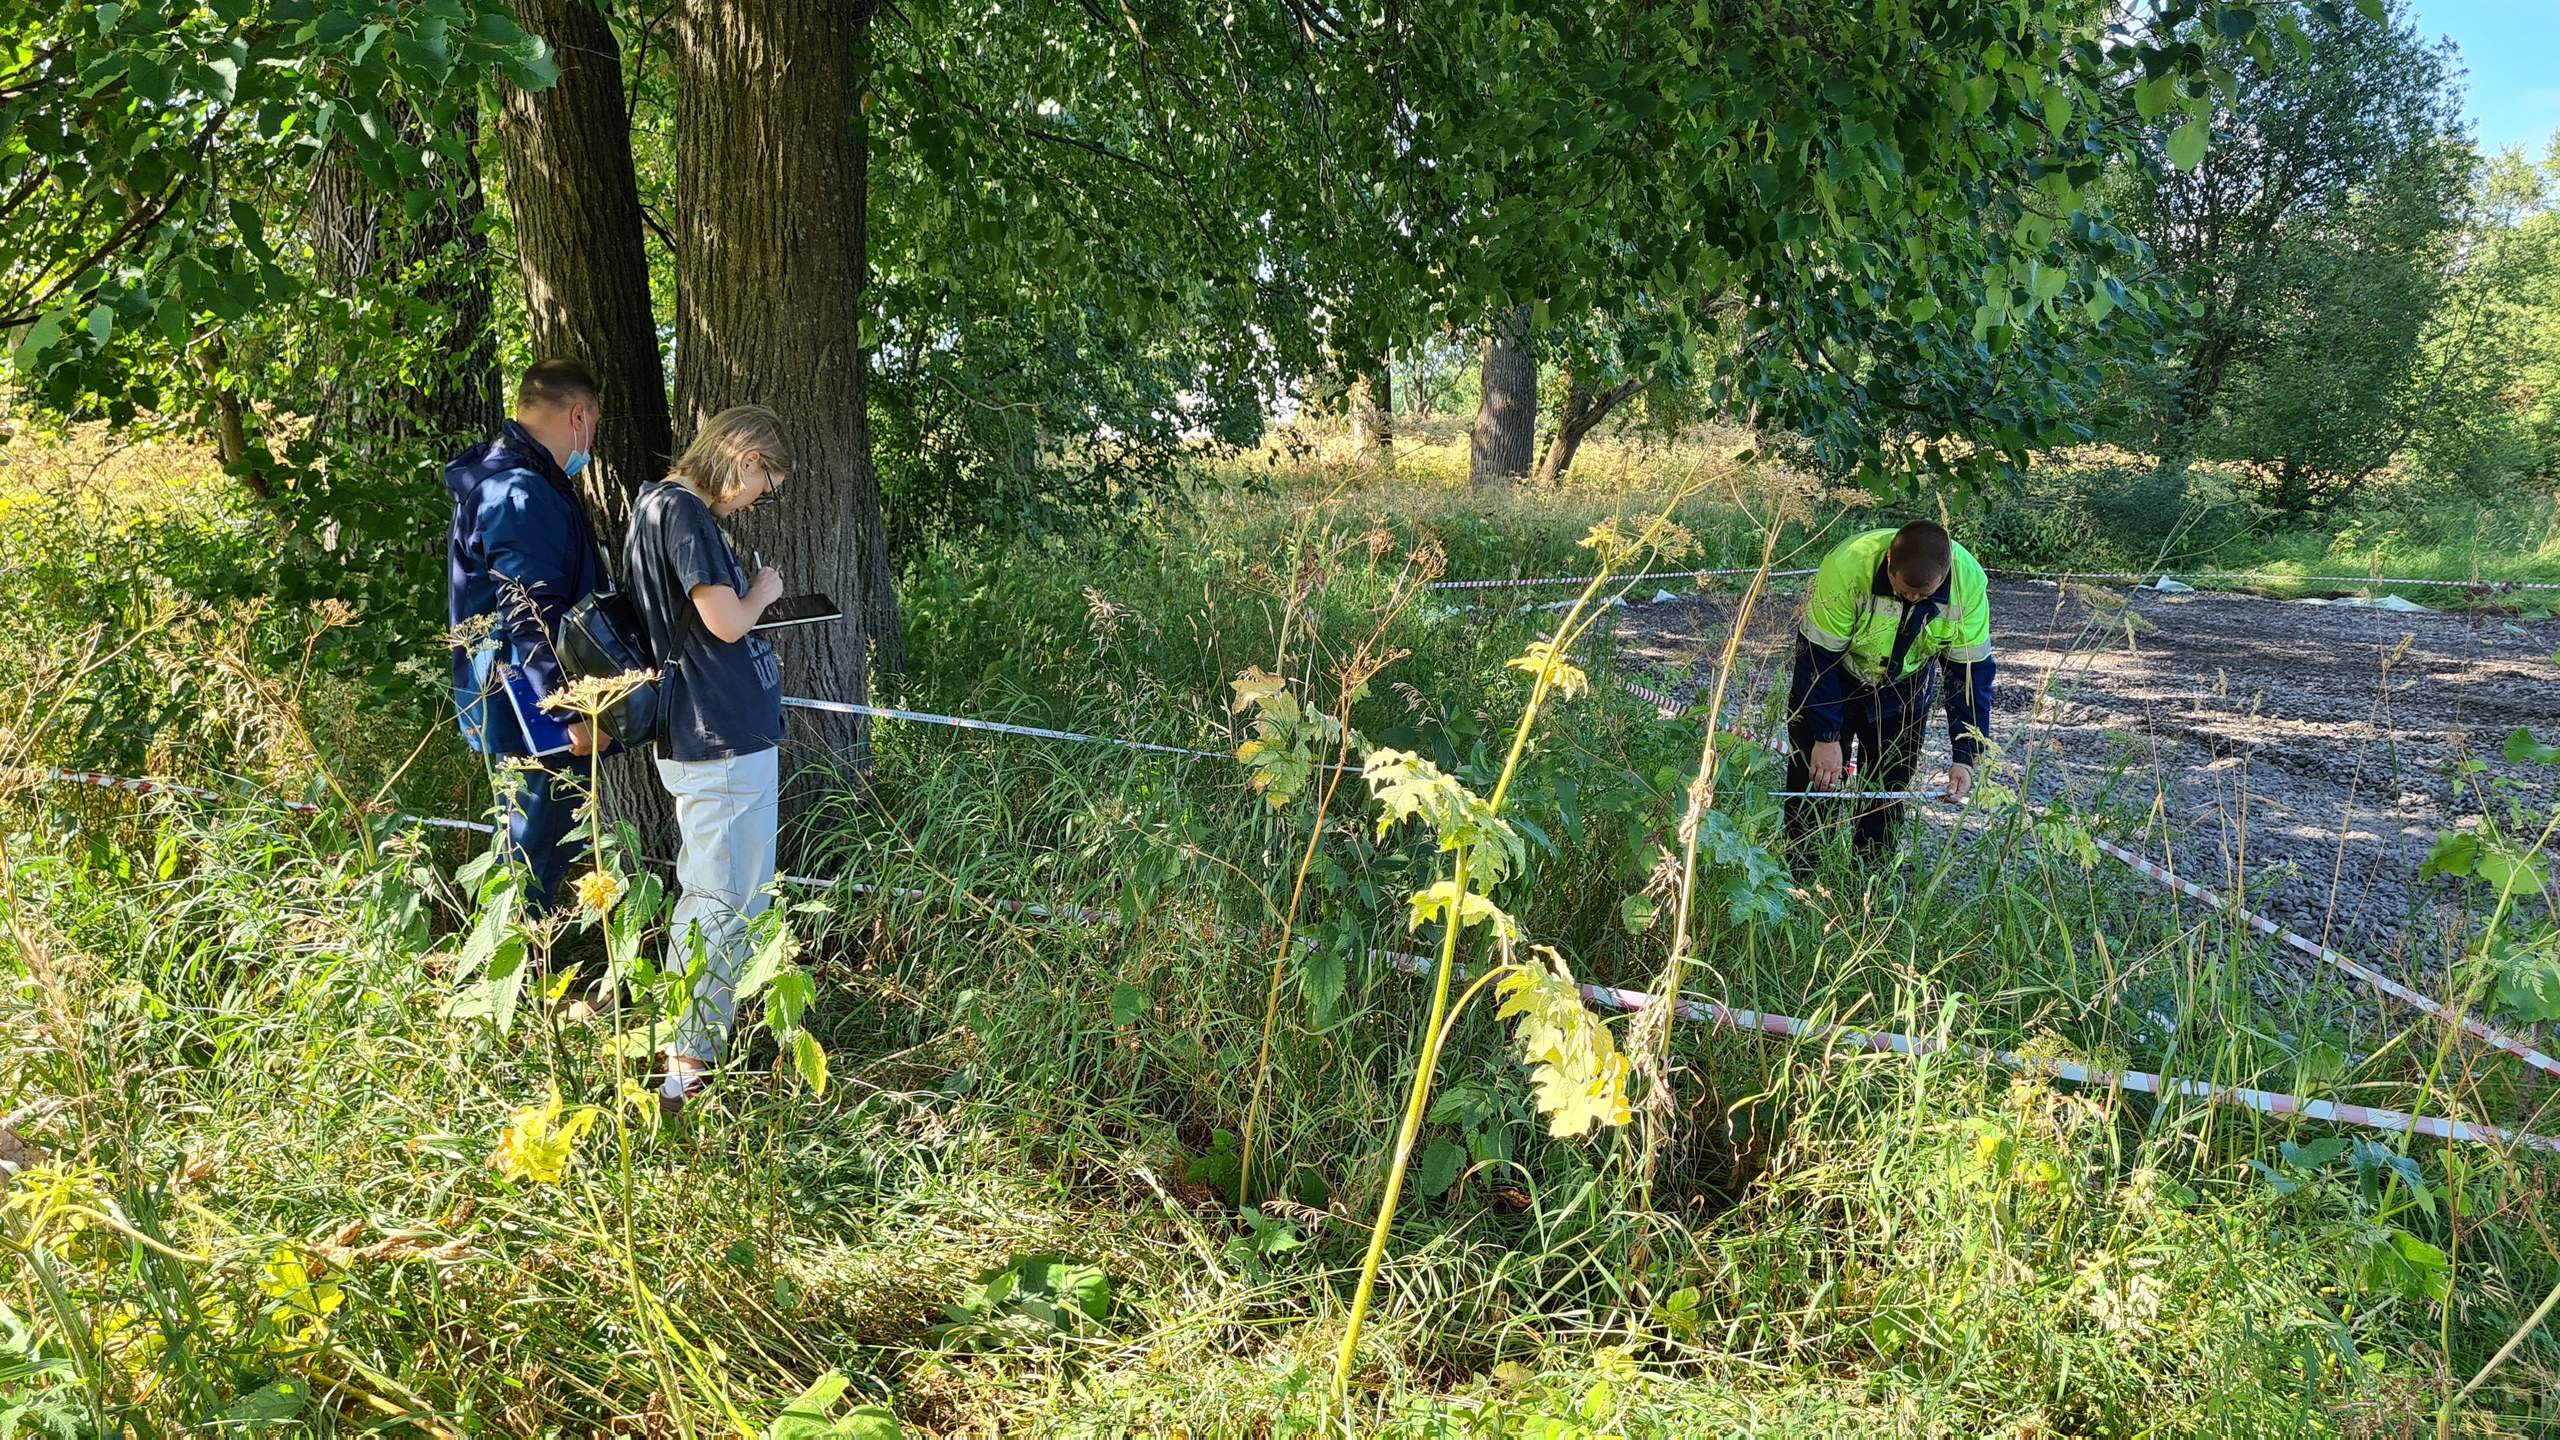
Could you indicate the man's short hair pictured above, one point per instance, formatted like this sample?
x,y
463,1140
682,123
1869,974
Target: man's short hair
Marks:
x,y
1921,554
557,384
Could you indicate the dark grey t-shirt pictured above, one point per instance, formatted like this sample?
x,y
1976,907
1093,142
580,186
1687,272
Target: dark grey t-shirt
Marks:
x,y
724,697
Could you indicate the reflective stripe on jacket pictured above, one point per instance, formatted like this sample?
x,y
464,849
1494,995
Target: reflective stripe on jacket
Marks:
x,y
1858,635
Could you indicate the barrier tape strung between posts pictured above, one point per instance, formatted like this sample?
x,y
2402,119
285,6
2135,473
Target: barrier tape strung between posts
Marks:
x,y
2007,574
2149,576
172,787
2270,1102
2313,948
883,712
2470,1024
1630,579
2266,1101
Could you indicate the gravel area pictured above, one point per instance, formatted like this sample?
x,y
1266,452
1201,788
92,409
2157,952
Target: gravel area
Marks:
x,y
2309,749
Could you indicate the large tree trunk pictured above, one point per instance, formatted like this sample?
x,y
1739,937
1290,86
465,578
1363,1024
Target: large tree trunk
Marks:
x,y
1584,409
1506,432
770,275
363,244
582,250
1373,409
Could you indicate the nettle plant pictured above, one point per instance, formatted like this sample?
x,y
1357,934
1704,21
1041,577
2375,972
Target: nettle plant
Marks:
x,y
2517,955
1578,1076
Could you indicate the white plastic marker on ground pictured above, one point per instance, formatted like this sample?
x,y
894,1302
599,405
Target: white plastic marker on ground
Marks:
x,y
172,787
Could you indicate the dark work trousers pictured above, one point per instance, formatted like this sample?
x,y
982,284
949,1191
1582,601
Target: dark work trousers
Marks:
x,y
539,816
1883,738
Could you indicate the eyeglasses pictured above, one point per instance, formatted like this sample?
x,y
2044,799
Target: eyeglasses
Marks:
x,y
772,489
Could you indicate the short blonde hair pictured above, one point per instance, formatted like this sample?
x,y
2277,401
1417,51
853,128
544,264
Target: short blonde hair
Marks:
x,y
710,464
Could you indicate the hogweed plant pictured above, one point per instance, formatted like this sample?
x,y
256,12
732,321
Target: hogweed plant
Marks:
x,y
1578,1077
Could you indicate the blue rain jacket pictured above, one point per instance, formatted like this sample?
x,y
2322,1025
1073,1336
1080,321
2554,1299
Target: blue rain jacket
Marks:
x,y
520,549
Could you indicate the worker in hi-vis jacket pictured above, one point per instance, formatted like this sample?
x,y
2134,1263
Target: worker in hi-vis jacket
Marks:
x,y
1886,604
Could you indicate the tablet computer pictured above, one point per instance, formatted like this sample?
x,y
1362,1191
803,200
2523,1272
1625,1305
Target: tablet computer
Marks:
x,y
793,610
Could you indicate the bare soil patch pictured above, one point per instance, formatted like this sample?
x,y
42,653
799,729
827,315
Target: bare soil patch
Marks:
x,y
2266,740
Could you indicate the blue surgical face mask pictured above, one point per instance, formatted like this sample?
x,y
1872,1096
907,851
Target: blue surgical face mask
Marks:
x,y
578,458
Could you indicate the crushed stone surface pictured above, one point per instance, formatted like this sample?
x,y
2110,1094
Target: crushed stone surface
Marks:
x,y
2307,753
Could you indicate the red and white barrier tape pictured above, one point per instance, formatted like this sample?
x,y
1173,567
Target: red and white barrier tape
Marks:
x,y
299,807
2267,1101
2270,1102
2325,955
2009,574
2149,576
1630,579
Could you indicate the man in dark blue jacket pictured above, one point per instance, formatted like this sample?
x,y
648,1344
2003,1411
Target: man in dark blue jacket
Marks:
x,y
520,553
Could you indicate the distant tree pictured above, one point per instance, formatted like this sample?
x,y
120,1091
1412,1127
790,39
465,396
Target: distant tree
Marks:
x,y
1503,443
2314,240
2492,359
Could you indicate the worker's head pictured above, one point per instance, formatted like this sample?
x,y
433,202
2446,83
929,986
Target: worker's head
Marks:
x,y
1916,563
738,461
556,403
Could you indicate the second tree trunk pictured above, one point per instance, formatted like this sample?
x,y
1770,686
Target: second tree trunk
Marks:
x,y
1506,433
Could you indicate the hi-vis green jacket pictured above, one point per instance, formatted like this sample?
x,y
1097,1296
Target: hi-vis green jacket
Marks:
x,y
1861,644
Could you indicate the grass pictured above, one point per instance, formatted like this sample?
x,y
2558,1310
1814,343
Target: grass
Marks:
x,y
225,1034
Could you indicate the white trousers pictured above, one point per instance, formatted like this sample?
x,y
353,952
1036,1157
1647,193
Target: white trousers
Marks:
x,y
727,813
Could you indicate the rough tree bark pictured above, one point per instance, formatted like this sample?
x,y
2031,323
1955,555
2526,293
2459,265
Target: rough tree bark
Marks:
x,y
1373,409
770,276
1504,441
582,251
1584,408
362,241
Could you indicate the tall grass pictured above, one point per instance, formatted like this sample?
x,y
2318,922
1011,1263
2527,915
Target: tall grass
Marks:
x,y
226,1038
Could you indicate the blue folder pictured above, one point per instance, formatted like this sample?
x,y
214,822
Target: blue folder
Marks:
x,y
544,732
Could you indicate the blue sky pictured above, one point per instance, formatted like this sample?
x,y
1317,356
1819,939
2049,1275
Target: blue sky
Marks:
x,y
2512,49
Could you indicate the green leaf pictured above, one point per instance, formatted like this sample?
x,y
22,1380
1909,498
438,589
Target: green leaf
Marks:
x,y
2408,1266
787,999
810,1059
39,338
1442,1163
1322,978
2187,147
1128,1004
2523,749
271,1405
2154,97
1923,310
2456,852
807,1418
1637,912
771,961
2529,987
2511,871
